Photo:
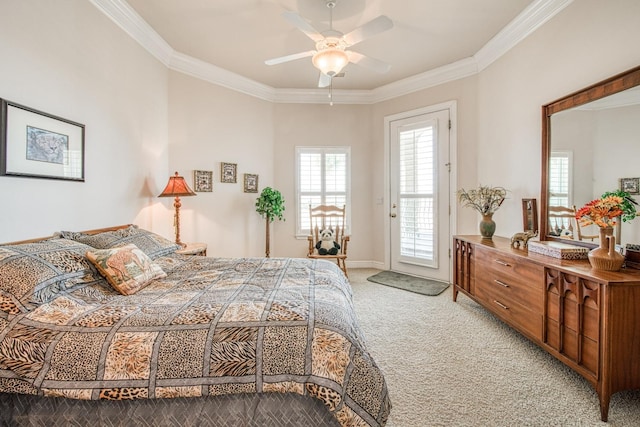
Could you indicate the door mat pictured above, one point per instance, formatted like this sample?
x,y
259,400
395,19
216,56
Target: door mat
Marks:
x,y
409,283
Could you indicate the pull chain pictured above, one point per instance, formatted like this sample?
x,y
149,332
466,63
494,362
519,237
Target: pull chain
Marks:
x,y
331,93
330,5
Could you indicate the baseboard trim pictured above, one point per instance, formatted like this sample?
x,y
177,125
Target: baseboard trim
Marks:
x,y
366,264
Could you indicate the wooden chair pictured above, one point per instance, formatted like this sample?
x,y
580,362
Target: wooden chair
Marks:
x,y
328,216
582,236
561,220
563,223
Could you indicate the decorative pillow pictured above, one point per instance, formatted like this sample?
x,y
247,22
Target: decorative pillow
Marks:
x,y
126,268
37,272
153,245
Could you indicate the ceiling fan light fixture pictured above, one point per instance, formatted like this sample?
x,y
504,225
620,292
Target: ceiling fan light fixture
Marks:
x,y
330,61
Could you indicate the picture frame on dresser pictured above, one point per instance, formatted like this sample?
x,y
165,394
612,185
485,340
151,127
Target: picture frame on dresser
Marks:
x,y
36,144
530,215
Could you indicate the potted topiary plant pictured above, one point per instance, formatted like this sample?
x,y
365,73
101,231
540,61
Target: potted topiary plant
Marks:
x,y
270,205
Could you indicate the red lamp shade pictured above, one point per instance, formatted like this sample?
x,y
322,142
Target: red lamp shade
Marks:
x,y
177,187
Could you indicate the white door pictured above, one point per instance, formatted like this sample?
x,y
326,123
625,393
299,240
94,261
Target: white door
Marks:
x,y
419,195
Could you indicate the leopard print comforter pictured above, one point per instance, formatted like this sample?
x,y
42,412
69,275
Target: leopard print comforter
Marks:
x,y
213,326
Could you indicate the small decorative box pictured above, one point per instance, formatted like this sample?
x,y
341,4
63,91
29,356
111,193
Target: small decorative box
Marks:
x,y
558,250
632,256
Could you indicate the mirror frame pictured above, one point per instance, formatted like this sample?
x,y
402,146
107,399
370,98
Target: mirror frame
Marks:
x,y
610,86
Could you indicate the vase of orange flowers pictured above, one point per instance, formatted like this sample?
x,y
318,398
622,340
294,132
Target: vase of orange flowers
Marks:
x,y
605,213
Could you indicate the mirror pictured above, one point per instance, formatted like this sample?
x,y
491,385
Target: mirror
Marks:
x,y
590,145
530,215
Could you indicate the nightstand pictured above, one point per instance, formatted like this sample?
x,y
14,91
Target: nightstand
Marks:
x,y
194,249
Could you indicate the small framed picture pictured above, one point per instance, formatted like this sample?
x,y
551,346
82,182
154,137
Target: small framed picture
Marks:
x,y
203,181
630,185
228,172
530,215
39,145
250,183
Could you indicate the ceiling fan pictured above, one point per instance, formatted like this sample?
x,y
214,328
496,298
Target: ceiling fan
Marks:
x,y
331,54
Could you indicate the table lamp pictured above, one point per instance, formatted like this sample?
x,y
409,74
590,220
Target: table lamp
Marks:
x,y
177,187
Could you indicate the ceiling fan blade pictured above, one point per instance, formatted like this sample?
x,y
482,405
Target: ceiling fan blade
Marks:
x,y
365,61
288,58
371,28
324,80
303,25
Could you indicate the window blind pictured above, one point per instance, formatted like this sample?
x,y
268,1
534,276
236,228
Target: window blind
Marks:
x,y
417,180
322,179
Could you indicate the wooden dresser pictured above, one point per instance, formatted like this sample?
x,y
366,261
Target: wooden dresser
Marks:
x,y
587,319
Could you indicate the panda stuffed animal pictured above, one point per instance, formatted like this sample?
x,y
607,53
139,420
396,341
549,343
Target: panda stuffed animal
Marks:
x,y
327,245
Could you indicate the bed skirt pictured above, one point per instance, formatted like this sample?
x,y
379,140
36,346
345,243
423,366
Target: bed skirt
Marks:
x,y
254,410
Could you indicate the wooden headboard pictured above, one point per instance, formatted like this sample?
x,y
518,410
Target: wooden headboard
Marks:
x,y
96,231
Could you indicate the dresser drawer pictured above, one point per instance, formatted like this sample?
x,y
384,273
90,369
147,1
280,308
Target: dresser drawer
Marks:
x,y
527,318
509,268
512,291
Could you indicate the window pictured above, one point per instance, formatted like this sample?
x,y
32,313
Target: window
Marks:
x,y
416,152
560,164
322,178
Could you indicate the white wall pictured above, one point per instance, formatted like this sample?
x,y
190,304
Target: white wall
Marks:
x,y
464,167
621,126
499,109
144,122
67,59
575,131
599,137
325,125
587,42
208,125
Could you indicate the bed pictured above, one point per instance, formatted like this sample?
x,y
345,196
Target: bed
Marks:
x,y
194,341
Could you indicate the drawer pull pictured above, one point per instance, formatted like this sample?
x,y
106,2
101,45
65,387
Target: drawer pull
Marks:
x,y
501,283
501,305
499,261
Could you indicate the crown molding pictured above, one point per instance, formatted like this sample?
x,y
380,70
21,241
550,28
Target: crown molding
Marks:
x,y
131,23
205,71
322,96
454,71
535,15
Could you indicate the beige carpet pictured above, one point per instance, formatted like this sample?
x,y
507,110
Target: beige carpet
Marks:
x,y
454,364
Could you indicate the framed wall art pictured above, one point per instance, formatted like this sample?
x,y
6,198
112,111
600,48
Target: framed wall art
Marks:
x,y
39,145
250,183
630,185
203,181
228,172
